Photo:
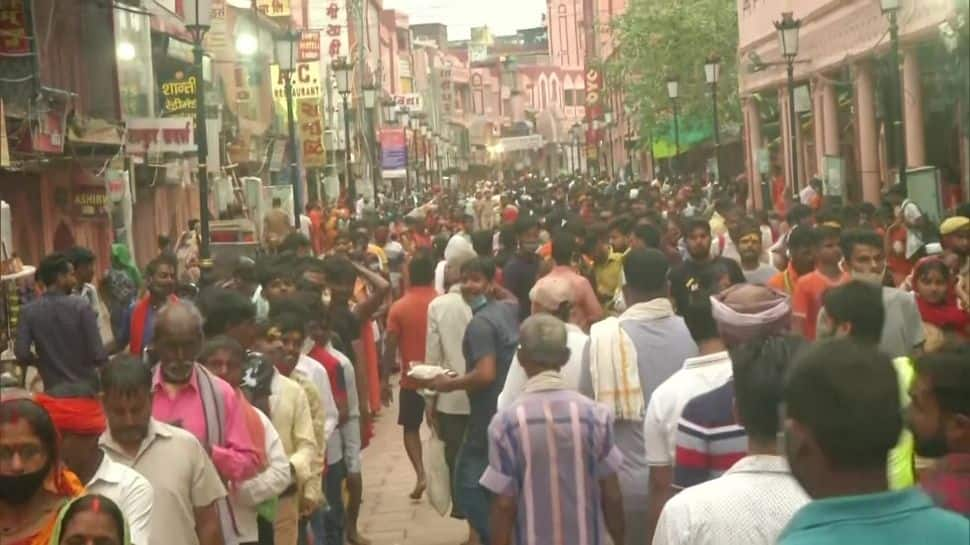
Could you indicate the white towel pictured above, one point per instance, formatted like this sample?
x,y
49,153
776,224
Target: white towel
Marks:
x,y
613,360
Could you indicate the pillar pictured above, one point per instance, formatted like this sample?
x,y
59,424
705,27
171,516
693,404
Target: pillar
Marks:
x,y
867,132
913,110
830,112
818,114
752,121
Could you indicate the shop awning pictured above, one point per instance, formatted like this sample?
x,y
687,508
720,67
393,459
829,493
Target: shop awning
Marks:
x,y
692,133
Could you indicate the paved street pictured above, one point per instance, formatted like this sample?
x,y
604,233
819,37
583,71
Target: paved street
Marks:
x,y
389,516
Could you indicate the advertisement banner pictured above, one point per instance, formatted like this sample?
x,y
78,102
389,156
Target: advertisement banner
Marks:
x,y
309,119
394,154
594,105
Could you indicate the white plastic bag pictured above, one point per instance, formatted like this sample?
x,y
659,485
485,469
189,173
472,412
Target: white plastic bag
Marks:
x,y
436,472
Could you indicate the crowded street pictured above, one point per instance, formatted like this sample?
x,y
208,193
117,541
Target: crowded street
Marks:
x,y
517,272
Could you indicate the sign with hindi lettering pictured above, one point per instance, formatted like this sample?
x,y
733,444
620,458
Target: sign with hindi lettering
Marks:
x,y
13,27
412,101
331,20
178,94
309,118
274,8
160,135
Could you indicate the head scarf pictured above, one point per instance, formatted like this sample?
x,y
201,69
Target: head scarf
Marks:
x,y
75,415
947,316
121,259
745,312
58,530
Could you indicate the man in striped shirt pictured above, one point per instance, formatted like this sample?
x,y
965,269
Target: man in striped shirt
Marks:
x,y
552,461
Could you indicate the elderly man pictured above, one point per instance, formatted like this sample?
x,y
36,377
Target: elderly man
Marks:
x,y
185,394
555,297
544,489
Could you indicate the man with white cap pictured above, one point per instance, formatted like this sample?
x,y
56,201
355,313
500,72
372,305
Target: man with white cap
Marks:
x,y
553,296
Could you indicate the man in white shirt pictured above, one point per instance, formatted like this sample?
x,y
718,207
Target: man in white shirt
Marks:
x,y
752,502
448,317
702,373
554,296
79,418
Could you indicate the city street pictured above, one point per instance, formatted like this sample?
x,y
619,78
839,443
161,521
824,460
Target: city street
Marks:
x,y
388,516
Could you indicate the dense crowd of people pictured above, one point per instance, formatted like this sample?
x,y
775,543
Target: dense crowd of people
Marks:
x,y
604,363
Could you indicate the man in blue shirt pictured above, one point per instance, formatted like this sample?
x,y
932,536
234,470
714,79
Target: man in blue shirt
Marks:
x,y
843,416
489,344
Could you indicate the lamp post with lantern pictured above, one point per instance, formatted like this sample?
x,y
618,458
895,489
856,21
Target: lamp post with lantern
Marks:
x,y
890,8
712,73
673,93
198,18
343,70
787,29
285,45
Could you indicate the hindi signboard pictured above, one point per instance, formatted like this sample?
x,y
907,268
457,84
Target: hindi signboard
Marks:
x,y
160,135
309,118
179,94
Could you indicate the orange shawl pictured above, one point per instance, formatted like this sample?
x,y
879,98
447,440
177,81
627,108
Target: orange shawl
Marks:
x,y
61,482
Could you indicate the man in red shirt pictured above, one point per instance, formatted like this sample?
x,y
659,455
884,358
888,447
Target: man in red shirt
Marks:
x,y
807,297
407,328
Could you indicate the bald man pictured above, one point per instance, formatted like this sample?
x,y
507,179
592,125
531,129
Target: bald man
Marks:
x,y
186,395
577,422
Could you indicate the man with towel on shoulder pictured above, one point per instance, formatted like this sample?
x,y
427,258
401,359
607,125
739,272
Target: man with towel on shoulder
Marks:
x,y
626,359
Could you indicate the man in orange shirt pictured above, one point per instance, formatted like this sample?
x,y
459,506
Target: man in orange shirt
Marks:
x,y
407,329
801,259
807,297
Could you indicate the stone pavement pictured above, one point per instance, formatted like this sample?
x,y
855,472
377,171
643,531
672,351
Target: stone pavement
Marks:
x,y
388,516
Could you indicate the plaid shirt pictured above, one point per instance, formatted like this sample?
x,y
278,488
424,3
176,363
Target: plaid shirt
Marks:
x,y
949,483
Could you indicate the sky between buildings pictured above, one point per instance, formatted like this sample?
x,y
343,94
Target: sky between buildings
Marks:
x,y
501,16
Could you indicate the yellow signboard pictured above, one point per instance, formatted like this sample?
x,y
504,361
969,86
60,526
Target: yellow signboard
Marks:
x,y
309,119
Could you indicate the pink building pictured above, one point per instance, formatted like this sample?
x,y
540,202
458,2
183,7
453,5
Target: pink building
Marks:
x,y
844,98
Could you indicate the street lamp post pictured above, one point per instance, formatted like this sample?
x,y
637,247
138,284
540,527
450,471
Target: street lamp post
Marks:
x,y
891,9
403,118
673,93
370,102
198,15
343,70
787,29
712,73
388,112
286,58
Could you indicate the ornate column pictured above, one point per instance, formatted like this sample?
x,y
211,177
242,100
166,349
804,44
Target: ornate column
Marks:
x,y
752,122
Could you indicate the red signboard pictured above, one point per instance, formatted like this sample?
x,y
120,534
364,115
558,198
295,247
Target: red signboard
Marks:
x,y
309,46
13,27
594,110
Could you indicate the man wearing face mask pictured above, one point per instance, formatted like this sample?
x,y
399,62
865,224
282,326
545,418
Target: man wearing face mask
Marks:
x,y
185,394
489,346
865,260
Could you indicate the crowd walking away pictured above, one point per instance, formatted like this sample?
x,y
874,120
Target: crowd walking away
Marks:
x,y
556,361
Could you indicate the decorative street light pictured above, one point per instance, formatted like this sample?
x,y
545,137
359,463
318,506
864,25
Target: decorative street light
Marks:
x,y
712,73
198,17
673,93
787,29
388,107
890,8
285,45
343,70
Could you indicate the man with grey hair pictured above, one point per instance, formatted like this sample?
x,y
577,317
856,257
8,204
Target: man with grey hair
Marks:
x,y
568,487
185,394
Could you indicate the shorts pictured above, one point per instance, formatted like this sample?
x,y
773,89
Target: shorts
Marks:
x,y
350,433
411,410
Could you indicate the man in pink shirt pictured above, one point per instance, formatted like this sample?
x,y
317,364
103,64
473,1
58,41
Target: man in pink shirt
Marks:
x,y
186,395
587,308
